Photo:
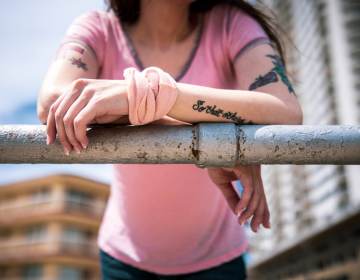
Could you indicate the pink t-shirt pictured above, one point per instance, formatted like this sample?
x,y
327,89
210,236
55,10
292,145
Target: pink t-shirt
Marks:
x,y
170,219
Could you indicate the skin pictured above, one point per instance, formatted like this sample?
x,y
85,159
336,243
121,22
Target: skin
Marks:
x,y
72,97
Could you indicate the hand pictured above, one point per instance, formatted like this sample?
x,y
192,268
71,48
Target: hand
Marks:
x,y
252,201
84,102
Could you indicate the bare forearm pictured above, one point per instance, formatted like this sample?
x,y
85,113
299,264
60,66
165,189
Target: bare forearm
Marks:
x,y
72,62
203,104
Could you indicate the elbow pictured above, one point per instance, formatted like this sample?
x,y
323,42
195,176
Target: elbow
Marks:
x,y
296,115
45,100
42,113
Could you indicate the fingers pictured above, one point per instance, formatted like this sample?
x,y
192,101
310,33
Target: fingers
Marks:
x,y
53,125
246,178
255,198
50,122
63,124
83,118
230,195
252,207
58,124
253,201
264,217
258,216
69,119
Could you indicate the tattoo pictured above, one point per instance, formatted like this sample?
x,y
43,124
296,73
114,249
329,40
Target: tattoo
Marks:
x,y
74,48
260,81
79,63
65,49
213,110
271,76
280,70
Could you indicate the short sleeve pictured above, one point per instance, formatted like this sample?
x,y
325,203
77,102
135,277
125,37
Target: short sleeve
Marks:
x,y
88,29
243,32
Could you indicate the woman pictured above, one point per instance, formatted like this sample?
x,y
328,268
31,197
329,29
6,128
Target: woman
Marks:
x,y
215,63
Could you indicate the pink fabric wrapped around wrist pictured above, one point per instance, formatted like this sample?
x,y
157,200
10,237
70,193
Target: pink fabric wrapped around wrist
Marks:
x,y
151,94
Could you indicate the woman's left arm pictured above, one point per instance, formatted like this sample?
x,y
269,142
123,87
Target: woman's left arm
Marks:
x,y
273,102
265,94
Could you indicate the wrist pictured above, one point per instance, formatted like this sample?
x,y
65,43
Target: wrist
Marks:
x,y
124,101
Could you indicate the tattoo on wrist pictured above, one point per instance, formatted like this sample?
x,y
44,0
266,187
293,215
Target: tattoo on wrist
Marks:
x,y
213,110
79,63
271,76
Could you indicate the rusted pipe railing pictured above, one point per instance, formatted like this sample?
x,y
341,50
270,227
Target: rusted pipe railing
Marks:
x,y
204,144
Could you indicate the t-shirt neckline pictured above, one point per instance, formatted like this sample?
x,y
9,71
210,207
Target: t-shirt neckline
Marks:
x,y
190,59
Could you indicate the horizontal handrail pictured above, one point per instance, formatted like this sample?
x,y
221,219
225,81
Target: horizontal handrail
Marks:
x,y
203,144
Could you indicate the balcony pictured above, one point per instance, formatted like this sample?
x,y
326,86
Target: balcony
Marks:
x,y
32,211
25,252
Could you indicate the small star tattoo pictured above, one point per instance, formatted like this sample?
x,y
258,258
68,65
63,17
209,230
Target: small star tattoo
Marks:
x,y
79,63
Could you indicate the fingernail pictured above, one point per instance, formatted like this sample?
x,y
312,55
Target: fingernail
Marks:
x,y
66,151
47,140
77,150
84,145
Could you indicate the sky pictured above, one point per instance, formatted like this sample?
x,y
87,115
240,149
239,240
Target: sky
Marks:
x,y
30,35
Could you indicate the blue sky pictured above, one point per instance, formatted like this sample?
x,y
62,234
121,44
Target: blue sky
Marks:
x,y
30,34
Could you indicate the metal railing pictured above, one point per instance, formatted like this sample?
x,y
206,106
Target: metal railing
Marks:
x,y
203,144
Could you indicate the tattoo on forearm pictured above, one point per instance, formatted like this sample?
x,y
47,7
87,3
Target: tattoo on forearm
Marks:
x,y
271,76
213,110
79,63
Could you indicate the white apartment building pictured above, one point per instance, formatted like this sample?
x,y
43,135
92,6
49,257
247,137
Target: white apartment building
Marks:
x,y
326,68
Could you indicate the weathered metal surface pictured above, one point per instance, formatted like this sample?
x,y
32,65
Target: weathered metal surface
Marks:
x,y
295,144
205,144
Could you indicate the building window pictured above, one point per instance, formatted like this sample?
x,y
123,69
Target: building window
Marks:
x,y
78,196
40,196
79,201
74,235
36,233
32,272
70,273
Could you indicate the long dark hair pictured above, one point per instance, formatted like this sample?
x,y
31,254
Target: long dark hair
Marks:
x,y
129,12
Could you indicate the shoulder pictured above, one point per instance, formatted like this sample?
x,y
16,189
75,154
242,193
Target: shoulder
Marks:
x,y
230,14
91,29
239,29
95,18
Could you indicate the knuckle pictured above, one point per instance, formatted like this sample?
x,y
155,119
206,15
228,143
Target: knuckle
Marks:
x,y
87,92
247,214
78,122
78,83
96,101
52,109
67,120
58,116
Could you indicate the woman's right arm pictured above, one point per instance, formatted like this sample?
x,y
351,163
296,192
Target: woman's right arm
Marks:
x,y
73,61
